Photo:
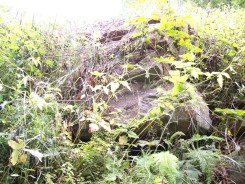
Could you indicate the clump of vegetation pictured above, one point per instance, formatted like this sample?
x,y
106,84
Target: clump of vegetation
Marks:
x,y
47,101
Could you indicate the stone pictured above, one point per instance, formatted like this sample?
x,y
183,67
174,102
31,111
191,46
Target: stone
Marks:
x,y
189,118
114,35
146,70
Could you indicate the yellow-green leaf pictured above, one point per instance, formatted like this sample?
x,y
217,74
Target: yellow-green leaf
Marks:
x,y
132,135
220,80
23,158
188,57
105,125
96,73
125,83
177,89
14,157
16,145
226,75
123,140
128,66
114,86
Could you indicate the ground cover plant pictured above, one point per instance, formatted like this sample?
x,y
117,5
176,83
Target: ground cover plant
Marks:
x,y
55,86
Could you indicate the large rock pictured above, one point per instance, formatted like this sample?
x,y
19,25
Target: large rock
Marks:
x,y
189,117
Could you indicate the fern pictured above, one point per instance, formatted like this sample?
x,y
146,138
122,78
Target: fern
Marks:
x,y
206,160
157,167
166,165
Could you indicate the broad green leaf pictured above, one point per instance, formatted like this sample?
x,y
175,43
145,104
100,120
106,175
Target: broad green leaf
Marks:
x,y
125,83
178,133
177,89
174,73
14,157
141,19
23,158
220,80
136,34
128,66
16,145
114,86
197,50
208,75
188,57
132,135
226,75
49,62
123,140
182,79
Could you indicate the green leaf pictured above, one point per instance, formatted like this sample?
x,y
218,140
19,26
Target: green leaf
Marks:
x,y
23,158
164,60
105,125
178,133
178,87
49,62
123,140
96,73
197,50
114,86
226,75
220,80
14,157
125,83
188,57
132,135
128,66
16,145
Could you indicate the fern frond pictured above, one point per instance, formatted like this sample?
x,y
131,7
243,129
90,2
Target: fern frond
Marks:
x,y
167,165
206,160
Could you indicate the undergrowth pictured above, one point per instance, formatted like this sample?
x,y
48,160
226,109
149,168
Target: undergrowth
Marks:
x,y
51,88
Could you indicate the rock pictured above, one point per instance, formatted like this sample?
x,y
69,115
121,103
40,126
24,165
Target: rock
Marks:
x,y
191,117
114,35
146,69
121,46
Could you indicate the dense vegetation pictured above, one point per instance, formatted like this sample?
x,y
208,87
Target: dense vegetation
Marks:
x,y
38,109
